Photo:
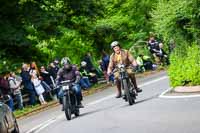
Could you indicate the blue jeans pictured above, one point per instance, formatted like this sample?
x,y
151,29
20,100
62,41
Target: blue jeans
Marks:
x,y
85,83
10,103
19,100
77,90
111,78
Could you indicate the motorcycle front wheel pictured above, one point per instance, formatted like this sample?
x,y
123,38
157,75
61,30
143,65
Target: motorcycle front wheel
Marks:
x,y
127,92
67,108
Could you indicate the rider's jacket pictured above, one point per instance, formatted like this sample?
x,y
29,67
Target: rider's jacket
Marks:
x,y
124,57
73,74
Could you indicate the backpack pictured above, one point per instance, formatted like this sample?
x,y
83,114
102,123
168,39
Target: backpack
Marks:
x,y
4,83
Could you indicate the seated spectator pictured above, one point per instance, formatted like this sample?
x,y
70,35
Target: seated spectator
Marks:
x,y
140,63
161,55
15,85
148,64
84,81
90,66
85,72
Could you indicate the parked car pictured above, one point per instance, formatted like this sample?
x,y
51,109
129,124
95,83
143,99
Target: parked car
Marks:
x,y
8,122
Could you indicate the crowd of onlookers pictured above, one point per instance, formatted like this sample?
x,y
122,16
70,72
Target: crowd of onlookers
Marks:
x,y
156,50
40,83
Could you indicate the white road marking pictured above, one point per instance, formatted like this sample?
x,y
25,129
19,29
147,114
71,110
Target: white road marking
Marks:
x,y
38,128
44,126
162,95
111,96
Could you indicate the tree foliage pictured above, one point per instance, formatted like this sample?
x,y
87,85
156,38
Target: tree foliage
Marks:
x,y
179,20
44,29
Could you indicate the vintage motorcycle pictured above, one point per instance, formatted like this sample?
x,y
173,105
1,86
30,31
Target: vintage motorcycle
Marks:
x,y
70,104
126,85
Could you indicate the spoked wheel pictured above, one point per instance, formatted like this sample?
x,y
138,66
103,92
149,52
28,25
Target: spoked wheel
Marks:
x,y
67,108
130,99
68,114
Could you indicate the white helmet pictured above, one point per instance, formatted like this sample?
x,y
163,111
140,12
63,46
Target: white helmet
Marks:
x,y
65,60
83,63
113,44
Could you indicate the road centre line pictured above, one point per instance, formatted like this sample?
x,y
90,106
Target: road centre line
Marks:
x,y
43,125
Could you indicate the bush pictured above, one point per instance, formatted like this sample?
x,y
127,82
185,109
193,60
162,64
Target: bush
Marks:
x,y
185,66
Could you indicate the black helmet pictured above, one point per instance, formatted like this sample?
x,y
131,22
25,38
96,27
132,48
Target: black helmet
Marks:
x,y
113,44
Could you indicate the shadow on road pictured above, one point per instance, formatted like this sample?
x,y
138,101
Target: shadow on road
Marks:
x,y
147,99
141,101
93,112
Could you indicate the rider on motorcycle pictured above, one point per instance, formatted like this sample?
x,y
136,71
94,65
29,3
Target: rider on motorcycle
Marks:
x,y
121,56
70,72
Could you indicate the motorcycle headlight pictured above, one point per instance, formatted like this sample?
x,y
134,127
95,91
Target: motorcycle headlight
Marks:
x,y
65,88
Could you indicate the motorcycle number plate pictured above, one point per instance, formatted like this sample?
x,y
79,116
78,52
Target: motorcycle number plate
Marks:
x,y
65,87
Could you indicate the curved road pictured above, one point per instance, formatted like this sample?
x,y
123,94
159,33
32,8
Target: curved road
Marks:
x,y
105,114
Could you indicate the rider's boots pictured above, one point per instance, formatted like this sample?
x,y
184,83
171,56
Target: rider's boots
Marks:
x,y
138,90
80,105
133,79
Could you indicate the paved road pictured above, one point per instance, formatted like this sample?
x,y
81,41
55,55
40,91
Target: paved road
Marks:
x,y
105,114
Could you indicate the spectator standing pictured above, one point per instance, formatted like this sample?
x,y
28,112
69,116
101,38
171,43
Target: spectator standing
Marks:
x,y
37,83
15,85
28,85
46,77
56,64
153,44
52,69
104,65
